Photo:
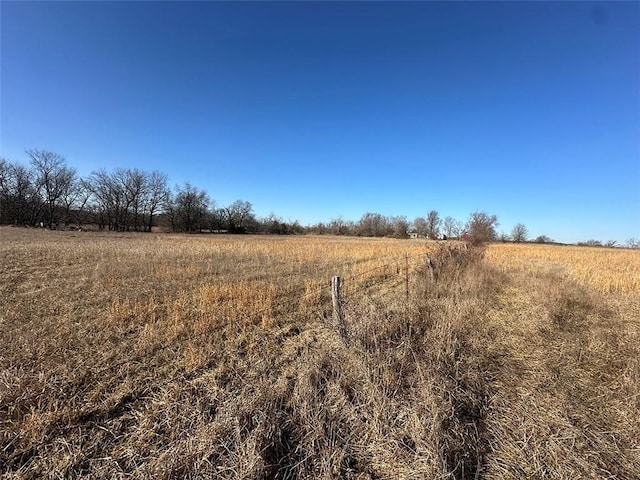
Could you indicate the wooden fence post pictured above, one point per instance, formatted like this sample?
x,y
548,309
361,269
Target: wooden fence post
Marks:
x,y
337,307
406,275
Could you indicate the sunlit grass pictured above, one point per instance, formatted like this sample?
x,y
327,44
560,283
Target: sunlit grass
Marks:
x,y
206,356
604,269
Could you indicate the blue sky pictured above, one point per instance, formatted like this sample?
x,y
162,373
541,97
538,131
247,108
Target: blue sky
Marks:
x,y
530,111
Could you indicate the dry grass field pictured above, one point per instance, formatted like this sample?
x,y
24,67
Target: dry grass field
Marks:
x,y
178,356
606,270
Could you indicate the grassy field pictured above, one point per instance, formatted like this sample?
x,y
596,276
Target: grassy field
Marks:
x,y
176,356
606,270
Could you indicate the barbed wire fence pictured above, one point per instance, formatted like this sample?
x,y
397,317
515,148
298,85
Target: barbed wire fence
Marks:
x,y
340,288
343,290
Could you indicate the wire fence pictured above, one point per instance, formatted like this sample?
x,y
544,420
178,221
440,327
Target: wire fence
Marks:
x,y
87,397
391,268
394,270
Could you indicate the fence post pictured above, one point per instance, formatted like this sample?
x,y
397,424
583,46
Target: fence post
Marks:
x,y
337,307
406,275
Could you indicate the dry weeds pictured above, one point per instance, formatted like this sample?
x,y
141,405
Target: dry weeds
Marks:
x,y
607,270
170,356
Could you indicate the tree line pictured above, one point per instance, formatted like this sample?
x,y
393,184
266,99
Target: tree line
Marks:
x,y
430,226
47,192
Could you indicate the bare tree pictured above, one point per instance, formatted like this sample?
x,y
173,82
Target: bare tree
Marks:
x,y
373,225
74,200
54,177
590,243
420,226
21,201
340,226
433,224
4,177
83,199
108,197
5,190
482,226
133,183
217,219
158,195
633,243
319,228
129,198
519,233
237,216
275,225
452,227
189,208
543,239
400,226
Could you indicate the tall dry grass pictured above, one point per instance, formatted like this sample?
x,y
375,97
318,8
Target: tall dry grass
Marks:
x,y
174,356
607,270
569,322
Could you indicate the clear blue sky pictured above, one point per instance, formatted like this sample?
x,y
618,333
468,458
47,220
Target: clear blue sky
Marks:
x,y
530,111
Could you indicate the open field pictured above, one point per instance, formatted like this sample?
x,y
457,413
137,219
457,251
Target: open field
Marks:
x,y
176,356
606,270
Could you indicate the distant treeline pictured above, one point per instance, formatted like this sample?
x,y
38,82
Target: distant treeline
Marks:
x,y
47,192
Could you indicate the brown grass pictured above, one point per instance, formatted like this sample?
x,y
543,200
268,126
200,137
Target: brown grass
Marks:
x,y
607,270
172,356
